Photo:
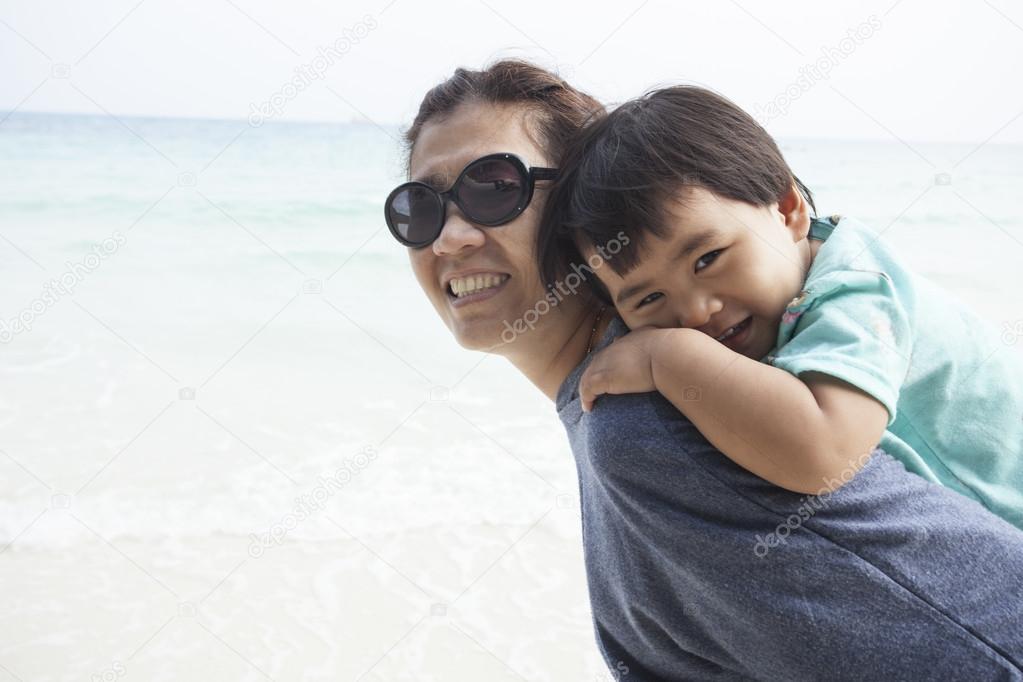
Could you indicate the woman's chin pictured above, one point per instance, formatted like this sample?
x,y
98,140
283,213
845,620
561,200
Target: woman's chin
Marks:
x,y
480,335
497,323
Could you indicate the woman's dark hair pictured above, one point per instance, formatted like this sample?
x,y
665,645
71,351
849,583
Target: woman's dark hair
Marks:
x,y
558,110
620,172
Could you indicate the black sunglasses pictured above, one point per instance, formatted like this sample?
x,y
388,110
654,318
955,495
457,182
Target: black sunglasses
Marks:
x,y
492,190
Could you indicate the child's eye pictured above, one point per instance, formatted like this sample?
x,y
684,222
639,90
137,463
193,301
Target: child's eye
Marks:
x,y
708,255
648,299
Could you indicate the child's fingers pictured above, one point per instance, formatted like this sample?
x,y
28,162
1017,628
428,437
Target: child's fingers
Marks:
x,y
592,385
585,397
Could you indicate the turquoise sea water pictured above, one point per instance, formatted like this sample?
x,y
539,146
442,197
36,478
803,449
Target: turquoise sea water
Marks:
x,y
313,191
309,195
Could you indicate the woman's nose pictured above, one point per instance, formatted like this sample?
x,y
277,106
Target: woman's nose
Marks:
x,y
457,234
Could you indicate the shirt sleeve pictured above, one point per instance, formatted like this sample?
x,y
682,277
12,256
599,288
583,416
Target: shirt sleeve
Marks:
x,y
857,329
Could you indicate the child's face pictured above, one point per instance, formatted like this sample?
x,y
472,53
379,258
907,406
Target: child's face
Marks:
x,y
750,266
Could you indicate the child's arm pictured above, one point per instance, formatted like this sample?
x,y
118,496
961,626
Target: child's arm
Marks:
x,y
806,437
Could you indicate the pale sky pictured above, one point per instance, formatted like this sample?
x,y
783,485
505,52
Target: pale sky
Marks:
x,y
912,70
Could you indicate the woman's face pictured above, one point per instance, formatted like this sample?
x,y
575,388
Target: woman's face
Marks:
x,y
466,255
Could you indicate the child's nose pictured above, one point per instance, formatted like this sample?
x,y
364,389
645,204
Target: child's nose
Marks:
x,y
697,311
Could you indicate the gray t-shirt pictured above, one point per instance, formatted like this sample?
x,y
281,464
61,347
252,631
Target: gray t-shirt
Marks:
x,y
697,569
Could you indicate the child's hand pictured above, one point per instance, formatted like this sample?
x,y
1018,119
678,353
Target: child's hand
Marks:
x,y
622,367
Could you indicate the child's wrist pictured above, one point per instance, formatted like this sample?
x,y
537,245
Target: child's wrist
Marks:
x,y
668,352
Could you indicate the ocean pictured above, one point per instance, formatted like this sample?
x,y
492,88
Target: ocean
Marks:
x,y
237,443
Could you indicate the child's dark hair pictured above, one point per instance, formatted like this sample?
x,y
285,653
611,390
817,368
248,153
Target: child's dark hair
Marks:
x,y
620,171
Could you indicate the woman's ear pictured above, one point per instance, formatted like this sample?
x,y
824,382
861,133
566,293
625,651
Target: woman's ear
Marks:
x,y
795,212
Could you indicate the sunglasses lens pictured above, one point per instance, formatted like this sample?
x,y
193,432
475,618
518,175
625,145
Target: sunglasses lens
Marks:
x,y
416,214
491,191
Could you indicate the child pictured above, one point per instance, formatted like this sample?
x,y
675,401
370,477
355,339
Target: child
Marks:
x,y
795,345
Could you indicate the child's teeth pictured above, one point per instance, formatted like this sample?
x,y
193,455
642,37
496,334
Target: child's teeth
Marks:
x,y
730,332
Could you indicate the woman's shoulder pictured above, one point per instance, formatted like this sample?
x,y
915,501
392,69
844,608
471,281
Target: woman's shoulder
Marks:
x,y
569,390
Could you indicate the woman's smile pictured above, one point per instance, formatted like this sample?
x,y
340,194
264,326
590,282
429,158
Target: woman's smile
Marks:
x,y
473,286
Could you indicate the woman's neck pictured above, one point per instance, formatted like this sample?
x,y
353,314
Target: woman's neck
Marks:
x,y
548,354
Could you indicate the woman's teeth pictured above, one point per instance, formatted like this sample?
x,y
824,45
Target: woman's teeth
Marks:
x,y
463,286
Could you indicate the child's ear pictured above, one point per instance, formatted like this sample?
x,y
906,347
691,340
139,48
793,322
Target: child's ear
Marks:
x,y
795,212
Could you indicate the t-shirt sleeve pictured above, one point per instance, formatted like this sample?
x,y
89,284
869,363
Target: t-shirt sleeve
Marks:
x,y
857,330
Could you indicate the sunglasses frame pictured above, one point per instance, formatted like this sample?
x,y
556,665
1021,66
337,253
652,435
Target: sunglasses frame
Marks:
x,y
529,175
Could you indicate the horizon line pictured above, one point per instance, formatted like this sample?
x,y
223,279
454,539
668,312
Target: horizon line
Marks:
x,y
360,120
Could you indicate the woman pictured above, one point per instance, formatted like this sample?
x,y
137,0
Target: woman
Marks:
x,y
695,567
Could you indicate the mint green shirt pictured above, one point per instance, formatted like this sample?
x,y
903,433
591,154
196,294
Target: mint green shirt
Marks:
x,y
953,387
